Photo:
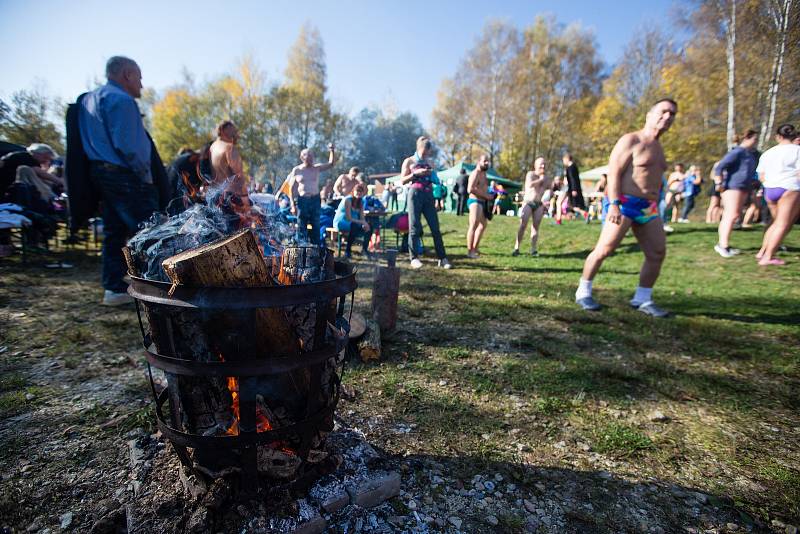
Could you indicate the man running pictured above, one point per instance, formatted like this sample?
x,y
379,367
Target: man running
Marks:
x,y
478,187
636,166
536,183
417,171
305,200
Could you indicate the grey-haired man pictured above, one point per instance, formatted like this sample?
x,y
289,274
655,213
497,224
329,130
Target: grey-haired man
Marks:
x,y
116,143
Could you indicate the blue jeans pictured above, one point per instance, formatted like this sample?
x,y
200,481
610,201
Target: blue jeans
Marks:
x,y
127,202
308,213
420,203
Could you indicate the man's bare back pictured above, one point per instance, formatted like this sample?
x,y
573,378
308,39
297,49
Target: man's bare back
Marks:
x,y
226,163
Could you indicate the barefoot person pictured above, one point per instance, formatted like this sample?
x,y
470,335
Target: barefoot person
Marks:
x,y
536,183
305,200
739,167
418,174
478,187
634,178
779,171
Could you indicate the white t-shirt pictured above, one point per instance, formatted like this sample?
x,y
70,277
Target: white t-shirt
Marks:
x,y
781,167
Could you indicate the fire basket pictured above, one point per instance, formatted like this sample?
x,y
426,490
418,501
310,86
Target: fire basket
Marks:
x,y
238,401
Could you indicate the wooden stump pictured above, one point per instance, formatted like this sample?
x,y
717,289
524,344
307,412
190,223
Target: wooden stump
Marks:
x,y
384,297
369,346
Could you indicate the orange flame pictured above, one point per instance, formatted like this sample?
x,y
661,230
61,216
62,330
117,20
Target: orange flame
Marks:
x,y
262,423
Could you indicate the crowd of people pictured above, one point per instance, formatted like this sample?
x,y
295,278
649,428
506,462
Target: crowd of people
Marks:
x,y
31,194
111,155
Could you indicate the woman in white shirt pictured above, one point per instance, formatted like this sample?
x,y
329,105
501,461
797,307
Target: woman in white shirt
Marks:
x,y
779,171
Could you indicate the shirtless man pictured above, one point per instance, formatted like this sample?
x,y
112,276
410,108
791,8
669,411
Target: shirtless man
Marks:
x,y
674,192
226,162
536,183
304,198
478,187
634,178
345,183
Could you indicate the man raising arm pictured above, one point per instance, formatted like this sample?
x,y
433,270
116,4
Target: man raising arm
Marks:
x,y
305,200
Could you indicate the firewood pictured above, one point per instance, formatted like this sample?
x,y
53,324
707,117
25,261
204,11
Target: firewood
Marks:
x,y
369,347
235,261
358,325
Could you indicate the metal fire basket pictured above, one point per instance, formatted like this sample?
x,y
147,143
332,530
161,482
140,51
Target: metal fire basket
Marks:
x,y
153,296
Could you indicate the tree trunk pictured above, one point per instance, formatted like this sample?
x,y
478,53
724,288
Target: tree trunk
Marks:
x,y
781,20
729,53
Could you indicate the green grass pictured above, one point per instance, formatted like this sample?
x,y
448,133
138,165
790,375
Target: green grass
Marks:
x,y
497,344
498,371
619,440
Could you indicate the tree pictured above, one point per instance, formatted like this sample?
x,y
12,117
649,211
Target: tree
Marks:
x,y
779,14
26,119
380,143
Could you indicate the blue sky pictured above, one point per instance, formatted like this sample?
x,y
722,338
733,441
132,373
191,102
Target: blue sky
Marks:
x,y
377,52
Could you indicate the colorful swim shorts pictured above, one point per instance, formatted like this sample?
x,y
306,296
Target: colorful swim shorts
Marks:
x,y
639,210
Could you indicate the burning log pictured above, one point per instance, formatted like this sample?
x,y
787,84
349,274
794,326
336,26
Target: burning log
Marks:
x,y
235,261
369,346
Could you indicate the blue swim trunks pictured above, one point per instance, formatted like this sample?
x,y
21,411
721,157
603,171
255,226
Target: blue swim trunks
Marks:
x,y
471,201
639,210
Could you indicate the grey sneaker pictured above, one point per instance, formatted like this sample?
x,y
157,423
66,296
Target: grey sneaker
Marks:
x,y
588,304
444,263
650,308
112,298
534,253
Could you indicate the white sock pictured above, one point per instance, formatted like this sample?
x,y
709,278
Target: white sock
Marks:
x,y
584,289
642,295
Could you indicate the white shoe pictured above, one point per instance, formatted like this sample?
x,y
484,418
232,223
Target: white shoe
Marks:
x,y
726,252
416,264
683,221
668,229
444,263
112,298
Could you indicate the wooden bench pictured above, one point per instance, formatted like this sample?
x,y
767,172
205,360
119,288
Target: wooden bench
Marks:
x,y
337,236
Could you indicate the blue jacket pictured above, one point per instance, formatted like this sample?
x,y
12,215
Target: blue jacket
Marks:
x,y
740,166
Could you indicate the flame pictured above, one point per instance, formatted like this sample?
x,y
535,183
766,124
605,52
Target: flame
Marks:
x,y
262,423
194,192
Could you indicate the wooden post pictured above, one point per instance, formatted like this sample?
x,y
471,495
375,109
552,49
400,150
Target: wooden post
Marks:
x,y
384,293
